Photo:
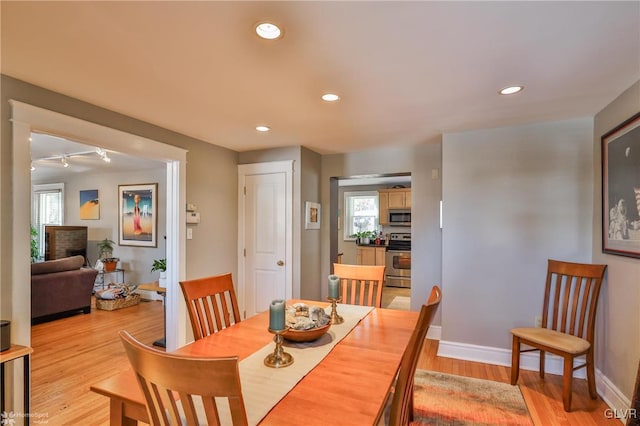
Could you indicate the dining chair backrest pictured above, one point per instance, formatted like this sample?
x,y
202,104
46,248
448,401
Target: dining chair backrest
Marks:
x,y
182,390
211,303
401,413
571,298
360,284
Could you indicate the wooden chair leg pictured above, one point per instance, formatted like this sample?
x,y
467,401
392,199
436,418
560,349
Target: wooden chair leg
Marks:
x,y
591,376
515,360
543,357
567,379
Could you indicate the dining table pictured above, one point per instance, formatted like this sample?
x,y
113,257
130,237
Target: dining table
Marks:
x,y
349,385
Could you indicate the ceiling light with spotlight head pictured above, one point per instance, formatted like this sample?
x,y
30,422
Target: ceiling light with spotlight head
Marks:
x,y
268,31
511,90
65,163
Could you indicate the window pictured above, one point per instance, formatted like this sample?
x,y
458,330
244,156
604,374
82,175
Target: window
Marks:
x,y
47,208
360,212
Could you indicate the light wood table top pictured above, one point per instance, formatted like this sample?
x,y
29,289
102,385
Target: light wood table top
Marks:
x,y
349,386
154,286
14,352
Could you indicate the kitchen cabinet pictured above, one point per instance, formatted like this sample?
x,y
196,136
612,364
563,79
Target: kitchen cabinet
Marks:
x,y
383,207
393,198
370,255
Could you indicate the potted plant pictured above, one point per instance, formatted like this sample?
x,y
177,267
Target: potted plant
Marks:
x,y
105,252
34,244
364,237
160,265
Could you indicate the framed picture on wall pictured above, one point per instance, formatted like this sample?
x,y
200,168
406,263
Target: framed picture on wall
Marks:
x,y
621,189
311,215
138,215
89,204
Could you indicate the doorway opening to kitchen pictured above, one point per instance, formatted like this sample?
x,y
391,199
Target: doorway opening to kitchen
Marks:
x,y
371,225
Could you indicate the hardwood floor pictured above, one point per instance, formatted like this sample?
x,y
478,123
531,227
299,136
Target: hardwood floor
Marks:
x,y
72,353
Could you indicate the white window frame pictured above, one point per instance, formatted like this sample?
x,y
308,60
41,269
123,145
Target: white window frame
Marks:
x,y
348,214
35,210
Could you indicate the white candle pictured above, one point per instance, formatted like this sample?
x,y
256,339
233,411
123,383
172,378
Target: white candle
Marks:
x,y
334,286
276,315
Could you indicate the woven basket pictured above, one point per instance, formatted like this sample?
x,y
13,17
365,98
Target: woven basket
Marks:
x,y
113,304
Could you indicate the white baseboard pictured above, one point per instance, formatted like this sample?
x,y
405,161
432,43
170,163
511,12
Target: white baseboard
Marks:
x,y
500,356
434,332
613,397
609,393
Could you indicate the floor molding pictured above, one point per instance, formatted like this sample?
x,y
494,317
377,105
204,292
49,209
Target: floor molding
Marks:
x,y
434,332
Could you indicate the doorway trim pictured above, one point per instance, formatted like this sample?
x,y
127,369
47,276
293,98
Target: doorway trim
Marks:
x,y
257,169
28,118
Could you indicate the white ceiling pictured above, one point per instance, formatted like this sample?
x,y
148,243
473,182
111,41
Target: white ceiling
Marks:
x,y
406,71
46,168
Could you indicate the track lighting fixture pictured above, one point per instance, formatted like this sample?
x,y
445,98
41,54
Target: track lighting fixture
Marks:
x,y
64,158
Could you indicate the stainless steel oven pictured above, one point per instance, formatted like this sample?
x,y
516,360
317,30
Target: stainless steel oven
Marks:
x,y
398,261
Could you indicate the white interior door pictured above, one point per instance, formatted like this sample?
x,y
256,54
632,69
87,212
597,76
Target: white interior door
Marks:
x,y
265,235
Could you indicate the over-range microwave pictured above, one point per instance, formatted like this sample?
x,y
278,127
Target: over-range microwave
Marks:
x,y
400,217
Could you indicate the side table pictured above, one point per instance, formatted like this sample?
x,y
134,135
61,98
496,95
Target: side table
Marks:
x,y
15,352
101,274
162,291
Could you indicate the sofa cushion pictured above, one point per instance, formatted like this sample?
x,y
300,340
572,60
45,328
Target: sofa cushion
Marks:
x,y
58,265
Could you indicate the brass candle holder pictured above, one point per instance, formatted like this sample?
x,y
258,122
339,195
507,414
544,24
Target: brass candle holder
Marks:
x,y
335,318
279,358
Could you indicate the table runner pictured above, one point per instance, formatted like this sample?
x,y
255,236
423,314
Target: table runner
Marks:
x,y
263,387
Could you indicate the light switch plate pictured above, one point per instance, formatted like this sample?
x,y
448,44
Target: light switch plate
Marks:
x,y
189,233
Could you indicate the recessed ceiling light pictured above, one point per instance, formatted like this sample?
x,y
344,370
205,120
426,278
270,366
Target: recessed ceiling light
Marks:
x,y
268,30
330,97
511,90
262,128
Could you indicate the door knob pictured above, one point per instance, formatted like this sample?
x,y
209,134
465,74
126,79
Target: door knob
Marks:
x,y
280,263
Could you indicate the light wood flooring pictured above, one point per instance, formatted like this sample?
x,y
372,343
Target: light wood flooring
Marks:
x,y
390,293
72,353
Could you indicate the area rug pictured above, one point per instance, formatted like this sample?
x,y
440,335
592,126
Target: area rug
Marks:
x,y
445,399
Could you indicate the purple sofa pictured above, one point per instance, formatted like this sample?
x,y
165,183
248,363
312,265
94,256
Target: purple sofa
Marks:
x,y
60,286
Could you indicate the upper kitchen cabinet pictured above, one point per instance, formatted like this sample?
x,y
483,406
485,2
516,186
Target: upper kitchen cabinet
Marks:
x,y
383,207
394,198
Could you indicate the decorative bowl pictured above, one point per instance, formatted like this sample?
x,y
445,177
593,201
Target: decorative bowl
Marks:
x,y
306,335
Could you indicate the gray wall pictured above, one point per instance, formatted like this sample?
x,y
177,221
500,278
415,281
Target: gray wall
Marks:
x,y
618,327
425,197
513,198
310,280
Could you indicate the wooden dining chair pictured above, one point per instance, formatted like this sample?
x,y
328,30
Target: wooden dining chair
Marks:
x,y
181,390
211,303
360,284
568,322
401,412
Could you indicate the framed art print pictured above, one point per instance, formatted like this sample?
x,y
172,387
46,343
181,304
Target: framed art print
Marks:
x,y
138,215
311,215
621,189
89,204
